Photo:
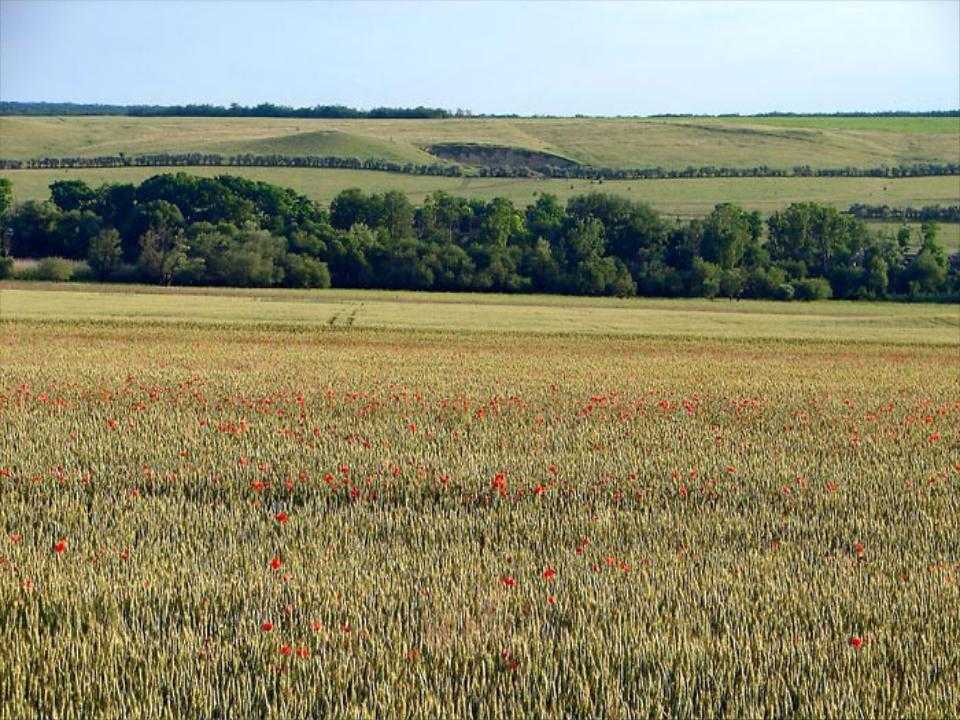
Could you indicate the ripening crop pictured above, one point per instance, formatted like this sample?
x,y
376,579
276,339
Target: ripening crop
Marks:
x,y
226,522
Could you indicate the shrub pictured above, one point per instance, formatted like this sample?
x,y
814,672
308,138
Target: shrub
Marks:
x,y
784,291
56,269
812,289
304,271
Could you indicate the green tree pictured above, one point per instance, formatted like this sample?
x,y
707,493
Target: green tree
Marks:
x,y
501,221
348,208
6,196
878,278
815,288
544,219
633,232
161,216
705,279
927,273
163,253
303,271
104,254
74,231
6,205
33,229
72,195
397,215
728,234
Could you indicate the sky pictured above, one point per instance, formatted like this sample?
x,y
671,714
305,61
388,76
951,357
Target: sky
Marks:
x,y
594,58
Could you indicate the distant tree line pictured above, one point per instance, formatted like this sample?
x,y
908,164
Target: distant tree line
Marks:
x,y
573,172
931,213
266,110
342,111
178,228
841,114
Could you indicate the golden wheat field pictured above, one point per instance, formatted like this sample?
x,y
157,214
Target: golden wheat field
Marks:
x,y
308,519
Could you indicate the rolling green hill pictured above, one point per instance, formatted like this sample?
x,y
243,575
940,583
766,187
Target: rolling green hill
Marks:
x,y
616,143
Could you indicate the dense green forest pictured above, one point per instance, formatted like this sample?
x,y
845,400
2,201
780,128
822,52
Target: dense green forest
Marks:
x,y
178,228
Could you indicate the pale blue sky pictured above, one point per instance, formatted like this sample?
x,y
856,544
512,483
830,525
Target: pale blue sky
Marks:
x,y
537,57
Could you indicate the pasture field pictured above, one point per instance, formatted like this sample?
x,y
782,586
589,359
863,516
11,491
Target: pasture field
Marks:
x,y
238,503
684,198
670,143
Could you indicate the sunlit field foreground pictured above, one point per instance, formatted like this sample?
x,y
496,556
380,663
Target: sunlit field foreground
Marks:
x,y
230,504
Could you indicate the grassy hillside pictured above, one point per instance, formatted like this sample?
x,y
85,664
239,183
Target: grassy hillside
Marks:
x,y
686,198
324,142
671,143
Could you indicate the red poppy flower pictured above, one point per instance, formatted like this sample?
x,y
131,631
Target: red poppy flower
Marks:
x,y
549,574
934,437
508,581
303,652
856,642
15,537
282,517
60,546
266,627
285,650
552,600
276,563
112,424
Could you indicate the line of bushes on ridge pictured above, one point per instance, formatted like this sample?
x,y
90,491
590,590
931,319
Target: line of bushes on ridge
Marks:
x,y
928,213
178,228
242,160
573,172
